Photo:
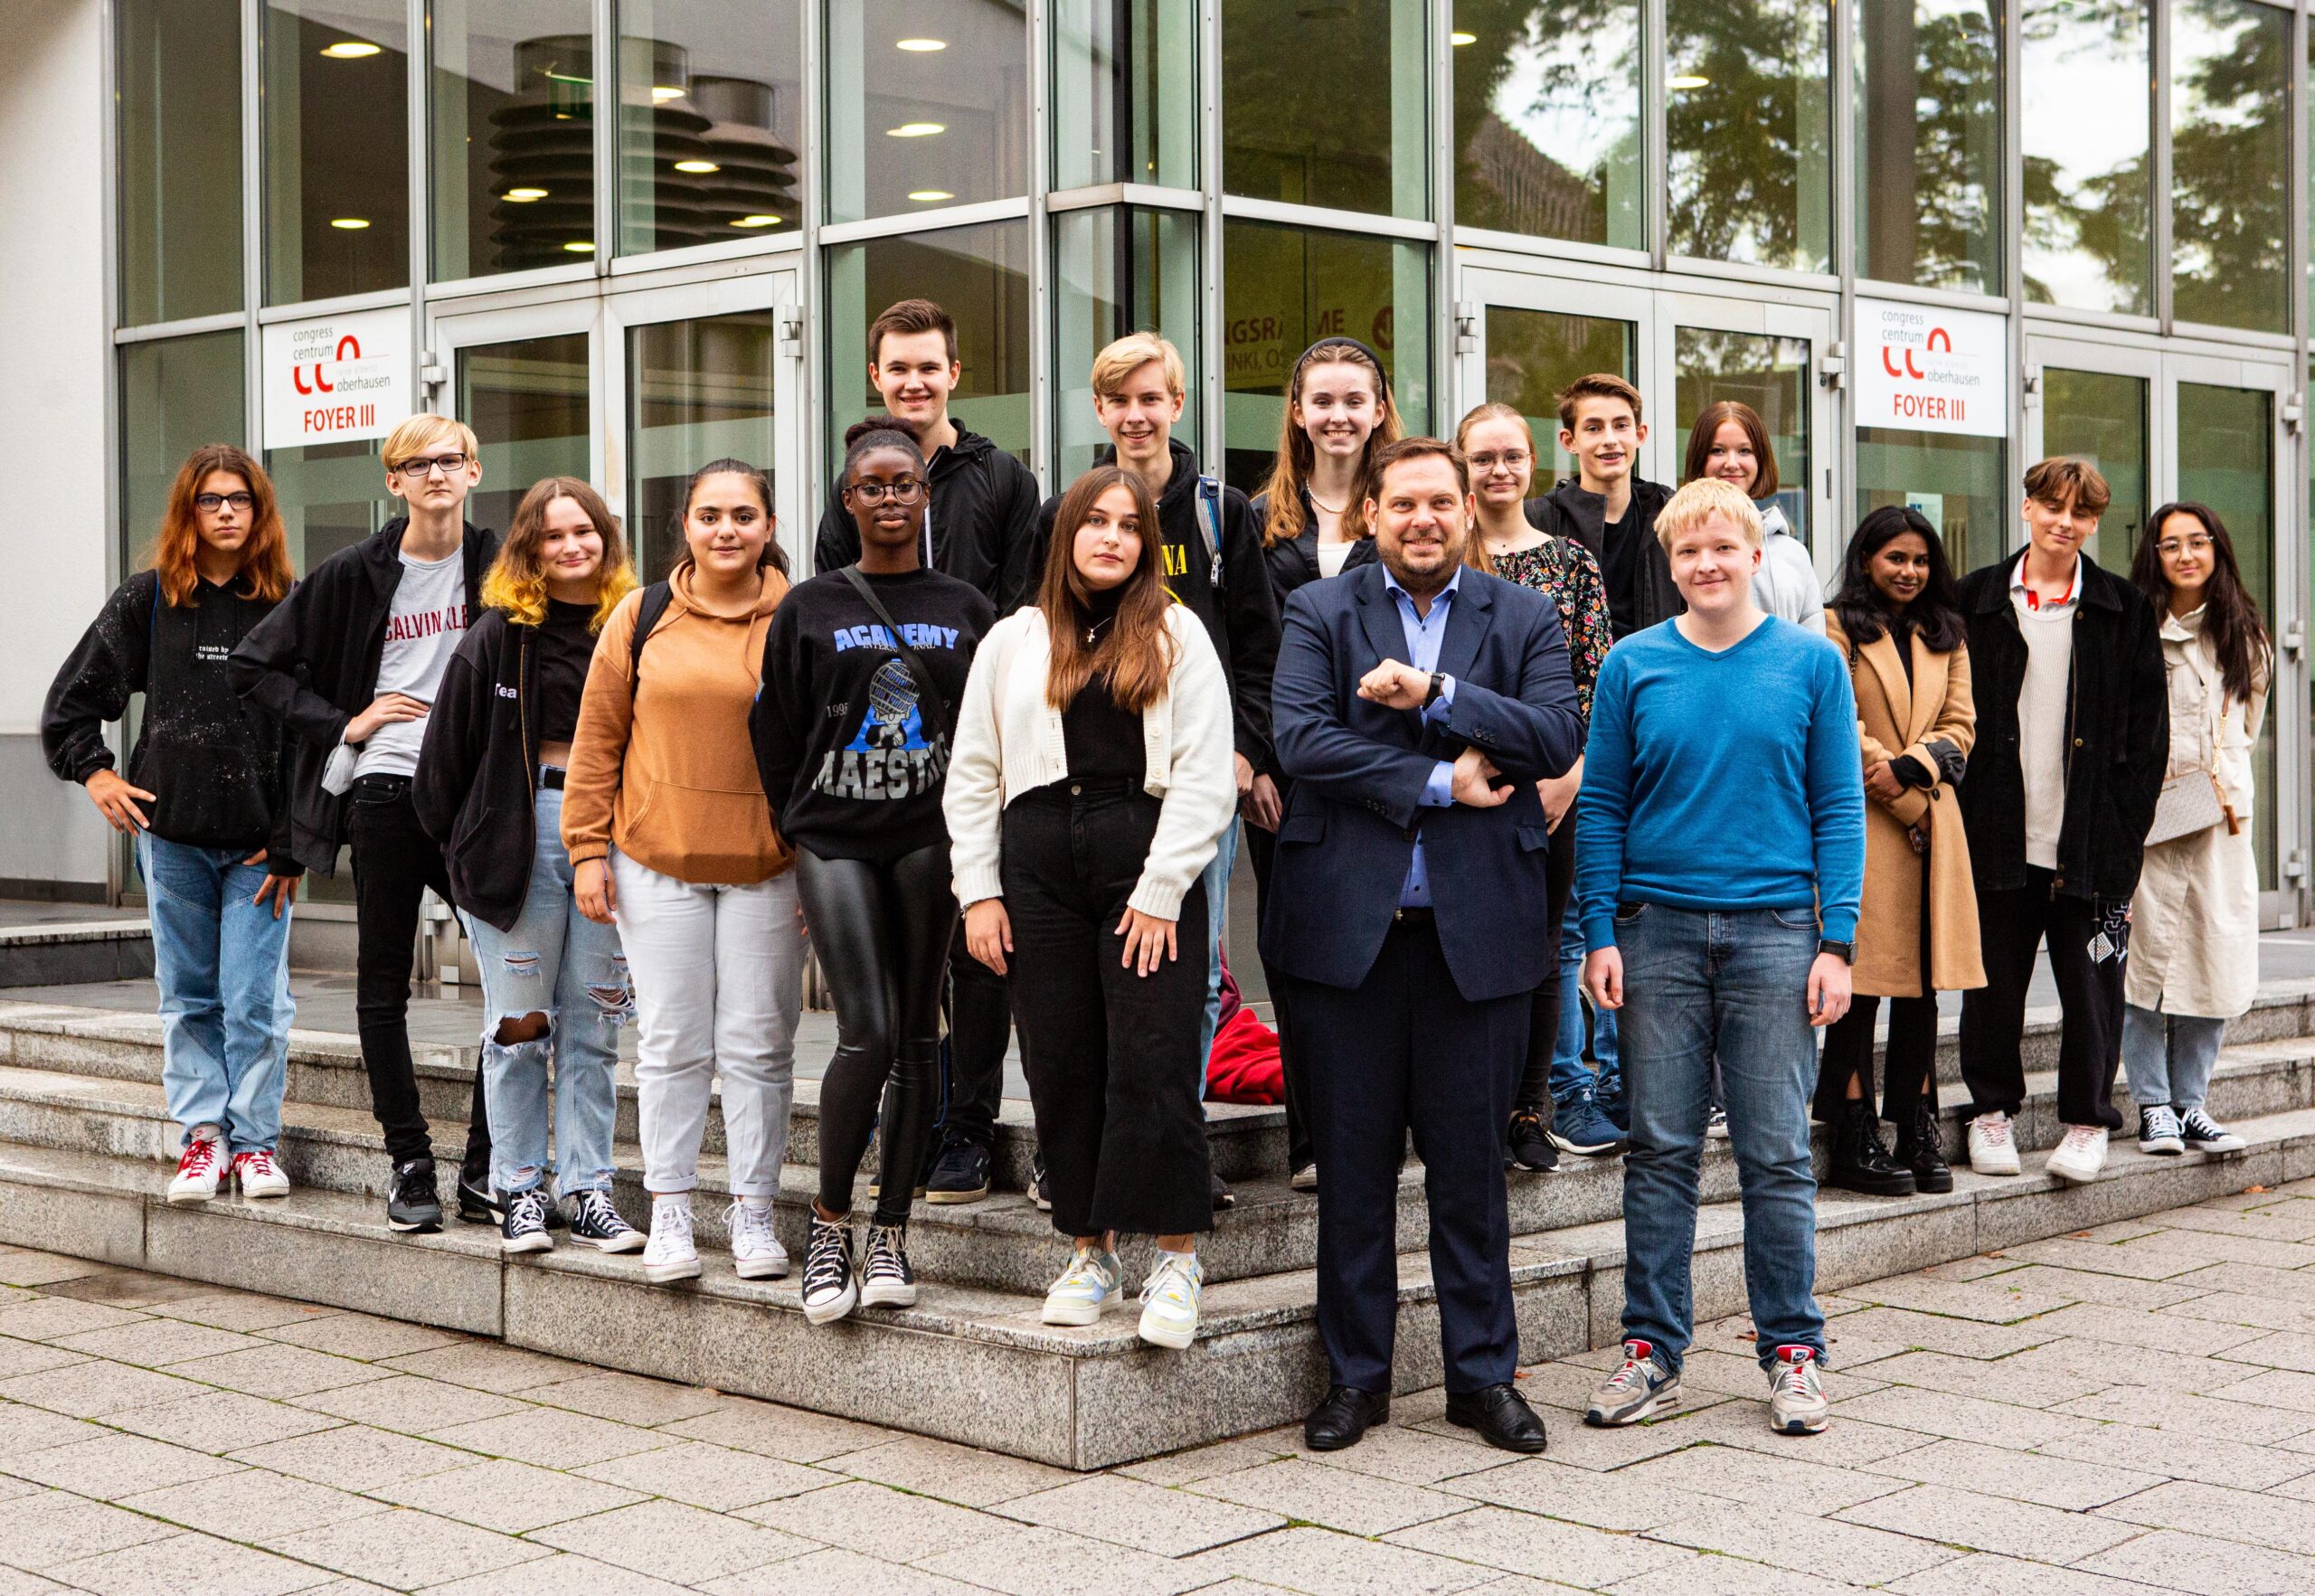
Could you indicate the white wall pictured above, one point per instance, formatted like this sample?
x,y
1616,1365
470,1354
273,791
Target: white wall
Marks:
x,y
53,353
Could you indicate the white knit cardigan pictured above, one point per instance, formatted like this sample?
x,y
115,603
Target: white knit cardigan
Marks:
x,y
1009,741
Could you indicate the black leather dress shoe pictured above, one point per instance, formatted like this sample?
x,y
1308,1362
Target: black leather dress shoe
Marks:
x,y
1344,1416
1501,1416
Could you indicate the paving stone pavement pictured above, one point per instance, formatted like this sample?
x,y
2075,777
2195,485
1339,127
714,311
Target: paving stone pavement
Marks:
x,y
2111,1413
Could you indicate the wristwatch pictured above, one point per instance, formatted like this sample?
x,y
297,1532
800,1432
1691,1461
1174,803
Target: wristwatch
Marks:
x,y
1438,685
1844,951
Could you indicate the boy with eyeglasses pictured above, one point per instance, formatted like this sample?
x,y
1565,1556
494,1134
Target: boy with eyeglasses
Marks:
x,y
350,663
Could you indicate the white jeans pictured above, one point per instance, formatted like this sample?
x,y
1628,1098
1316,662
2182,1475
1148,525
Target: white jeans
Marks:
x,y
719,981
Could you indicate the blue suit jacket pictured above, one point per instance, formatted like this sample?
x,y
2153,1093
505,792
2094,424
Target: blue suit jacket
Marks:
x,y
1358,771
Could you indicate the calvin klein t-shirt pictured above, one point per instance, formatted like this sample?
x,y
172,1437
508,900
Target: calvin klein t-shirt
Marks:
x,y
423,630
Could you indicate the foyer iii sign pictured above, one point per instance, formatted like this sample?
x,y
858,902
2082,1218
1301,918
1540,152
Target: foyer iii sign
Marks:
x,y
1927,369
336,379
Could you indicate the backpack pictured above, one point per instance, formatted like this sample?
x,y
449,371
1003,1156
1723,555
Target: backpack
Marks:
x,y
1209,499
656,599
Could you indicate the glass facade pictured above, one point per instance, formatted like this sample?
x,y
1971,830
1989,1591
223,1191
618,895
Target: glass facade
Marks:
x,y
2087,244
336,147
697,390
1125,93
928,105
1116,270
711,122
1748,127
1928,191
2230,160
180,138
1328,104
1548,121
511,102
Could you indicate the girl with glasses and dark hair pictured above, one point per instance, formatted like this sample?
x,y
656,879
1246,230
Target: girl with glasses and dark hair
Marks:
x,y
1896,619
861,669
2193,962
206,799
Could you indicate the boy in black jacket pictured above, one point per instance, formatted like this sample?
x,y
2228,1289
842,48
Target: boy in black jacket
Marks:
x,y
1606,505
350,663
979,526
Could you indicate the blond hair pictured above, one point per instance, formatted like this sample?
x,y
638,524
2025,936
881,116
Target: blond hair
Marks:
x,y
1129,354
517,582
1698,502
423,432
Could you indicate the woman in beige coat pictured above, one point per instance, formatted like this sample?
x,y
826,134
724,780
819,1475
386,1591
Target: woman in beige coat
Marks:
x,y
2193,962
1896,621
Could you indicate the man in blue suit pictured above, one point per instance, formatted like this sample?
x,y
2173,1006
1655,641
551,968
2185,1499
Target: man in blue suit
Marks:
x,y
1417,702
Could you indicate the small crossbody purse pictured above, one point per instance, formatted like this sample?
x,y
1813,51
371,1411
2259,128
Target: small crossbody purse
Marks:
x,y
2191,803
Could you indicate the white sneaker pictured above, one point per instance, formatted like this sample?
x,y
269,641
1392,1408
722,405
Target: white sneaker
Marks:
x,y
2080,1155
670,1254
1797,1404
1169,1300
1085,1290
200,1168
1305,1179
756,1252
260,1175
1992,1149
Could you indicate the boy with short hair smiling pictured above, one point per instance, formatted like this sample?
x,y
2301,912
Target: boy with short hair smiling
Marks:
x,y
1607,506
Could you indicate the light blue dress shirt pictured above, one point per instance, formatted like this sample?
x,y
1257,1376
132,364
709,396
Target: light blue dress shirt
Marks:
x,y
1425,633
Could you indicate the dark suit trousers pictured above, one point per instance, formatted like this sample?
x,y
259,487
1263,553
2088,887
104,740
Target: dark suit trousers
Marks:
x,y
1406,1051
1262,846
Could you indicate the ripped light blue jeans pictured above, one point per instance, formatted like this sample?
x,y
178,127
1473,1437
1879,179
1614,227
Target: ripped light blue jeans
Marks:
x,y
555,962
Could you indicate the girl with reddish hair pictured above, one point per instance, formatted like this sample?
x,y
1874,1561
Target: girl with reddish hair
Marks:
x,y
205,800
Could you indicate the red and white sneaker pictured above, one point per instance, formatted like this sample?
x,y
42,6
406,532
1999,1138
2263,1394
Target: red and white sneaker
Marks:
x,y
200,1168
260,1175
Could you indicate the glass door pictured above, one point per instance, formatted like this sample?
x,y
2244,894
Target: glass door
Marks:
x,y
2108,405
527,381
1531,336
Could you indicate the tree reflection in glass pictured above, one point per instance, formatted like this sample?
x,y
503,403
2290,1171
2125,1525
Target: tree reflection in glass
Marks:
x,y
1928,143
2230,163
1748,120
1547,120
2086,240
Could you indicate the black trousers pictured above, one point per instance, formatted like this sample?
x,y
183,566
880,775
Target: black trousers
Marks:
x,y
1294,1074
1543,1011
1115,1074
1405,1051
980,1024
2089,992
395,862
882,932
1909,1069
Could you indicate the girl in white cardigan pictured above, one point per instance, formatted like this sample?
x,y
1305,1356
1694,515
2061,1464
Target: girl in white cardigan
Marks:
x,y
1090,780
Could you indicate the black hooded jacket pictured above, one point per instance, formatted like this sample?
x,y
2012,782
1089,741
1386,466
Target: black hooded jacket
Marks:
x,y
1568,511
216,767
1294,562
473,791
313,666
984,508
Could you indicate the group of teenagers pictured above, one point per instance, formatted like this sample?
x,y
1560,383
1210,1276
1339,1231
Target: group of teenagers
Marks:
x,y
1573,816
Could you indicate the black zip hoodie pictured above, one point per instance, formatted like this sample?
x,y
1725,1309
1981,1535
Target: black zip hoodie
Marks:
x,y
474,789
984,508
313,666
216,767
1243,619
1294,563
1568,511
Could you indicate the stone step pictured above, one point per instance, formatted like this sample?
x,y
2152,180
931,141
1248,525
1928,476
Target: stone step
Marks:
x,y
975,1366
64,953
1003,1242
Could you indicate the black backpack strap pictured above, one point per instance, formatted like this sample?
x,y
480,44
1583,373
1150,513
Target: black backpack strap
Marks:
x,y
925,687
647,618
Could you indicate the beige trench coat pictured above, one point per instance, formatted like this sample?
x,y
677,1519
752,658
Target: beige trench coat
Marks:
x,y
2195,918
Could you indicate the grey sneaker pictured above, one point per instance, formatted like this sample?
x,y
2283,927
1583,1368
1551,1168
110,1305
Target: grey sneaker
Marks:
x,y
1636,1390
2157,1130
1797,1404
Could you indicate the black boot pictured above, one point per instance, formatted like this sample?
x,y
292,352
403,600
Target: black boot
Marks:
x,y
1860,1163
1920,1150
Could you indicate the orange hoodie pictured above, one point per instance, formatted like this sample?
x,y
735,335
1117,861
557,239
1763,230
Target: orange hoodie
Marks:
x,y
669,775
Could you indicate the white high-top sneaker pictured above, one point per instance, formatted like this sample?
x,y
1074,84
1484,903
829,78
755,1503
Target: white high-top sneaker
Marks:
x,y
670,1254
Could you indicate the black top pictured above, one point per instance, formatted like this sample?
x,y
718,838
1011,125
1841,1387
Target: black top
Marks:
x,y
852,750
566,647
474,790
216,766
983,517
1103,738
1622,562
1639,574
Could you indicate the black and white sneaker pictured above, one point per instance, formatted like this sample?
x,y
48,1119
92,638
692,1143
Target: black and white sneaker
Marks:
x,y
479,1205
2159,1130
2204,1134
412,1205
885,1278
523,1228
595,1221
830,1288
1040,1189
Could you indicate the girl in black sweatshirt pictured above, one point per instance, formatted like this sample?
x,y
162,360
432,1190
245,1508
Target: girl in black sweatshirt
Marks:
x,y
204,798
862,670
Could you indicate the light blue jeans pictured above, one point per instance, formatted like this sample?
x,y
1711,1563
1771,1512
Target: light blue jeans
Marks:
x,y
223,964
2170,1057
1735,982
1217,922
555,962
1569,1072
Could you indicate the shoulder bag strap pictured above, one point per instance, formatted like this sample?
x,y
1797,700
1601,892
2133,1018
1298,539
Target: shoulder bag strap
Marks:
x,y
925,686
647,619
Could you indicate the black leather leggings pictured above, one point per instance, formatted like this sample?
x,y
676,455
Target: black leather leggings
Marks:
x,y
881,931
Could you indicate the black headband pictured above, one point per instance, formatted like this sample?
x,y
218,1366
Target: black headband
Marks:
x,y
1380,369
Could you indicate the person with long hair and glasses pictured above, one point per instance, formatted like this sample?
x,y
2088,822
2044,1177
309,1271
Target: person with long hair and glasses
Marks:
x,y
1730,443
671,839
1091,781
1312,512
489,788
853,732
2194,920
1553,1110
1896,619
206,799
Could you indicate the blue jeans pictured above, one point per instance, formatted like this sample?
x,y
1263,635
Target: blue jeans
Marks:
x,y
1217,879
2170,1057
1736,982
1569,1072
223,964
555,962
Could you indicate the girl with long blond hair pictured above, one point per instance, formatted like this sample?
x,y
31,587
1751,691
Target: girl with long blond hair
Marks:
x,y
205,800
489,790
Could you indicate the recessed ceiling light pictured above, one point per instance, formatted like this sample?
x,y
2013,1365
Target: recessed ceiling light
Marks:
x,y
349,223
1459,39
522,196
350,50
697,166
580,246
925,196
921,46
916,130
661,93
1687,81
755,221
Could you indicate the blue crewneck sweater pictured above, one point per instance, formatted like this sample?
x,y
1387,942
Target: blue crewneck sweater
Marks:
x,y
1721,781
